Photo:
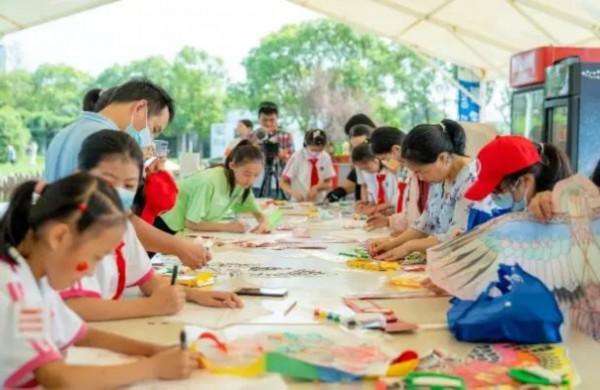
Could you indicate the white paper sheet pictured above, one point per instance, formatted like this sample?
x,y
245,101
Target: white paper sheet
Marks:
x,y
217,318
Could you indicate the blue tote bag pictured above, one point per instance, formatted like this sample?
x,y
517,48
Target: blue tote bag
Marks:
x,y
518,308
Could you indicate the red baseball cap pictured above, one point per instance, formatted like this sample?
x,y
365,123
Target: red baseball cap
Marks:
x,y
503,156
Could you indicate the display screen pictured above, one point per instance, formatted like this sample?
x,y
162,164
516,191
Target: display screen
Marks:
x,y
527,114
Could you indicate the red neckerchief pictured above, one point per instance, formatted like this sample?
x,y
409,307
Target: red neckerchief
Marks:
x,y
401,188
380,189
120,261
314,173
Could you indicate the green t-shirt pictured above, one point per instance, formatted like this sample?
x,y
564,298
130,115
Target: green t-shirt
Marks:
x,y
205,197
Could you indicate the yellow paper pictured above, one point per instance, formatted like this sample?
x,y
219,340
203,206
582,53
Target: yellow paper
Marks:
x,y
373,265
408,280
256,368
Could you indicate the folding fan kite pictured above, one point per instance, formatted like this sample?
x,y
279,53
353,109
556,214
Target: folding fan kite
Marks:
x,y
564,253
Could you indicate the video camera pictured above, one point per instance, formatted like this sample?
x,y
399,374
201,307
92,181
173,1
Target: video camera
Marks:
x,y
270,148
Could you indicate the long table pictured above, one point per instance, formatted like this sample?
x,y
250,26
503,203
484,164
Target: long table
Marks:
x,y
327,292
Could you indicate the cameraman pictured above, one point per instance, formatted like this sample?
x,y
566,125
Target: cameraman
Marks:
x,y
268,114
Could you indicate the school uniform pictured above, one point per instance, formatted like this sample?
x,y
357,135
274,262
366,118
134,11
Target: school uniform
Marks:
x,y
382,187
128,266
36,326
304,171
206,197
406,204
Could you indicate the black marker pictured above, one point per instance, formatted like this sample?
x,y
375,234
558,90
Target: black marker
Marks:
x,y
174,275
183,340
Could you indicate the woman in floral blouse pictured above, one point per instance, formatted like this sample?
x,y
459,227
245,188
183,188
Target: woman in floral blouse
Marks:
x,y
436,154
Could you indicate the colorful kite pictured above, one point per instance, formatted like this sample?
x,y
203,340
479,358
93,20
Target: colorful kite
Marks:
x,y
564,253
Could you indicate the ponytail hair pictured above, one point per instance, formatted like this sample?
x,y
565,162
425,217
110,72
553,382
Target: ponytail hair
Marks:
x,y
244,152
104,99
90,99
96,99
425,142
554,167
82,198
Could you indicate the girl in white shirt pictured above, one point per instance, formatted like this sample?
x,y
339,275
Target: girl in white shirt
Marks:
x,y
116,158
378,185
309,173
50,237
411,193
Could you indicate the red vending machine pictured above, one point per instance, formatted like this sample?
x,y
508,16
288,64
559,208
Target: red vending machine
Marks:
x,y
553,99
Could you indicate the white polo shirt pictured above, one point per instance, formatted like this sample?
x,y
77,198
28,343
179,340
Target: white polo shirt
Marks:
x,y
298,171
406,204
390,185
35,325
114,273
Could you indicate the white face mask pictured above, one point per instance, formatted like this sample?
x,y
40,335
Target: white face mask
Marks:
x,y
126,196
143,137
314,154
506,200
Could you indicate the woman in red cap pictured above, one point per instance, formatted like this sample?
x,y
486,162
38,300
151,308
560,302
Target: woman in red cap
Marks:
x,y
513,170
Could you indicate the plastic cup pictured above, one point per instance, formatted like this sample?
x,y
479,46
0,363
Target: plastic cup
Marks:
x,y
161,147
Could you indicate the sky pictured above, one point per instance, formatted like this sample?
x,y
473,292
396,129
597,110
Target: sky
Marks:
x,y
133,29
128,30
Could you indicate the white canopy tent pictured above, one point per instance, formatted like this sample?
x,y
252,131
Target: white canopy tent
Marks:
x,y
17,15
480,35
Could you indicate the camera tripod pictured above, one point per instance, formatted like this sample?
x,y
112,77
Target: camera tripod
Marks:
x,y
272,172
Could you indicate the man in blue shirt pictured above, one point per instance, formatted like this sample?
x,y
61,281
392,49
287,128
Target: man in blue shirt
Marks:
x,y
136,106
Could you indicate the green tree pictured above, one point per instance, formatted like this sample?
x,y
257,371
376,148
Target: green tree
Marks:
x,y
47,99
56,101
387,78
194,79
12,132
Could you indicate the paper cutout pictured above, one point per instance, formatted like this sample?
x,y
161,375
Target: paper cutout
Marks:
x,y
549,356
478,374
217,318
302,355
564,253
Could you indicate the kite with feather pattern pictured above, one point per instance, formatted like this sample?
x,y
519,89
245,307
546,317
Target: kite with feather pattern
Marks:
x,y
564,253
